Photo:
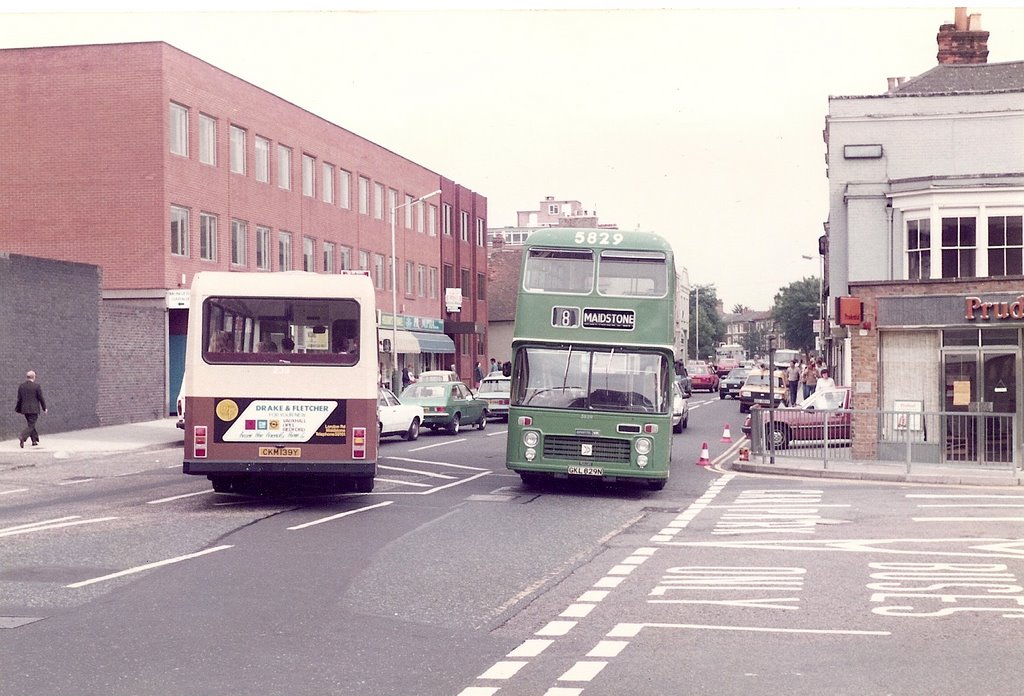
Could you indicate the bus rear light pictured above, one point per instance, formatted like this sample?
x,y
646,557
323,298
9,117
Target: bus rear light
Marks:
x,y
650,428
525,420
199,441
359,443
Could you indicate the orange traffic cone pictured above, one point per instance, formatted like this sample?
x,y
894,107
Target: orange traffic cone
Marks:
x,y
726,437
704,460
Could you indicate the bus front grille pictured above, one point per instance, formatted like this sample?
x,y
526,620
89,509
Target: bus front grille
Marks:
x,y
573,447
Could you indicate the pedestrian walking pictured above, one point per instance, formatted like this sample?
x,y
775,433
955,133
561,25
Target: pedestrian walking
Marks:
x,y
30,404
809,378
478,375
792,380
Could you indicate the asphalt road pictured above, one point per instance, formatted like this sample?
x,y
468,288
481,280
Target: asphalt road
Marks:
x,y
125,577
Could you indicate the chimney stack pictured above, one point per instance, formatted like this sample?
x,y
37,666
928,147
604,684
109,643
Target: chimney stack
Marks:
x,y
962,42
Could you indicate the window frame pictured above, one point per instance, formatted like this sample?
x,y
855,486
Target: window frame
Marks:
x,y
207,140
178,129
237,149
261,156
208,237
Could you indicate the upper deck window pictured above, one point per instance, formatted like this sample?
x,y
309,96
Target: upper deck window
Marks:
x,y
277,330
632,273
559,270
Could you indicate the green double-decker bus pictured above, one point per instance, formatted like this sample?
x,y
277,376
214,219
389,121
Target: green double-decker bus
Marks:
x,y
593,357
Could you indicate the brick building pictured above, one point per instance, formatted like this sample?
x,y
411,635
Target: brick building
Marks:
x,y
154,165
925,218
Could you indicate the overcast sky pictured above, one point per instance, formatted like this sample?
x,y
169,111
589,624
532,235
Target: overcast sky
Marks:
x,y
704,125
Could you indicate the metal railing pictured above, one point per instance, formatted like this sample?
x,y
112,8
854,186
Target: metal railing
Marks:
x,y
971,439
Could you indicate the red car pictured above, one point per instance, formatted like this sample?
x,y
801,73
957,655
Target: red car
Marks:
x,y
703,377
726,365
807,423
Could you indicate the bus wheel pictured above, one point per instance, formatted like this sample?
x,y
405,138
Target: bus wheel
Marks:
x,y
362,484
223,484
454,427
656,484
530,479
414,430
483,421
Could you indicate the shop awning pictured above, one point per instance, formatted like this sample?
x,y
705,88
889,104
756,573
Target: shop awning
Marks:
x,y
405,341
432,342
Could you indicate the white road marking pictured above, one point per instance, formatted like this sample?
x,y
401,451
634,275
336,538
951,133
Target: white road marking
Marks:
x,y
556,628
428,461
505,669
531,648
402,483
13,490
479,691
51,524
976,505
583,671
75,482
631,630
500,432
608,648
420,472
963,495
148,566
967,519
577,611
562,691
178,497
340,515
438,444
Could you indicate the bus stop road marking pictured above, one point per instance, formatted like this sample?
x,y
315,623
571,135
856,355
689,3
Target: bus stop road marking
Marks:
x,y
417,471
148,566
438,444
631,630
331,518
447,464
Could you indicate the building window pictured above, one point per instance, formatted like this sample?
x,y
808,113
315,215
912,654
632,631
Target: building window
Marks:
x,y
378,200
448,276
262,159
480,287
364,196
308,175
239,232
464,225
364,261
919,246
958,247
432,220
327,182
308,254
432,287
284,251
346,258
328,256
481,236
419,216
207,237
179,231
554,209
237,150
284,167
263,248
1005,244
378,271
464,282
409,204
393,202
421,280
410,278
446,220
179,130
208,140
344,188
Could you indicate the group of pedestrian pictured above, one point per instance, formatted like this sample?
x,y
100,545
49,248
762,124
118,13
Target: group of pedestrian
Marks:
x,y
807,377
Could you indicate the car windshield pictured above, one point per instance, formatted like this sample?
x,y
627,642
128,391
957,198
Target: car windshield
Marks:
x,y
738,373
827,400
503,386
425,391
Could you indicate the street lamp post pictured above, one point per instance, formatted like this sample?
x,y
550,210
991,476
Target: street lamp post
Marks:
x,y
696,322
396,377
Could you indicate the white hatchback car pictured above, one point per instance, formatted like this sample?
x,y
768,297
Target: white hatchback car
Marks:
x,y
680,409
497,390
396,418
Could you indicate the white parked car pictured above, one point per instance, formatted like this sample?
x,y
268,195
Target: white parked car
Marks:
x,y
396,418
497,390
680,408
438,376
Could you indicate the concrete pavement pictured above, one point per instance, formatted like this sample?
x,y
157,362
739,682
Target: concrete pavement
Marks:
x,y
130,437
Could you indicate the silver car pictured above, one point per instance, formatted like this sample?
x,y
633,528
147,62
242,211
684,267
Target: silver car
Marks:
x,y
497,390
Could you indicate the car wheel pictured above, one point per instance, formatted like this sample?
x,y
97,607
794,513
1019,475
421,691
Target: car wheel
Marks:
x,y
414,430
721,395
483,421
686,421
780,437
678,427
453,427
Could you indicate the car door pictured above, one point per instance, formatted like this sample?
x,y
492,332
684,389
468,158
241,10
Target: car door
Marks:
x,y
472,408
387,406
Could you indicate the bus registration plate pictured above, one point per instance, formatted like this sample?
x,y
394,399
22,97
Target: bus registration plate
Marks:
x,y
586,470
289,452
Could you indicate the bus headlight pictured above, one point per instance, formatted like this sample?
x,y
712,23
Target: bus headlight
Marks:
x,y
531,438
642,445
531,454
641,460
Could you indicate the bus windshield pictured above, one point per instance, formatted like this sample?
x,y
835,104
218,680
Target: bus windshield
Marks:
x,y
589,379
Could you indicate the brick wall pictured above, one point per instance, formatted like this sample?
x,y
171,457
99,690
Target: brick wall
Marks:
x,y
49,323
132,362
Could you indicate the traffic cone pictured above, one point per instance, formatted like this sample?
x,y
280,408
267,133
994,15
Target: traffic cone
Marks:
x,y
704,460
726,437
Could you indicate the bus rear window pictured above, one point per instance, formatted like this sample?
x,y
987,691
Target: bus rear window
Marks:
x,y
559,270
278,330
632,273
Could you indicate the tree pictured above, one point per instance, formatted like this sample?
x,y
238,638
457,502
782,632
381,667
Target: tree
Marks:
x,y
754,341
711,330
740,308
796,308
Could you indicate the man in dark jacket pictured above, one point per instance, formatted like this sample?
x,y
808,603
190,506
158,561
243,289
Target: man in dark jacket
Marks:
x,y
30,404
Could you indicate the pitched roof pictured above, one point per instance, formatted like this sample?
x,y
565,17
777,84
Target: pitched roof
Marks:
x,y
978,78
